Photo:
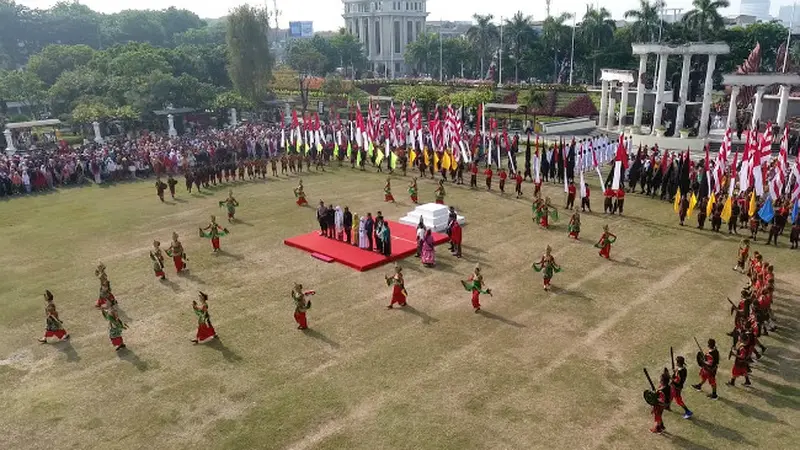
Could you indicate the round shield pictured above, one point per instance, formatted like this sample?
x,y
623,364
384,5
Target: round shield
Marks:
x,y
650,397
701,359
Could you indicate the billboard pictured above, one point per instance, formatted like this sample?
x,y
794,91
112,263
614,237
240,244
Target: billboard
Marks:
x,y
301,29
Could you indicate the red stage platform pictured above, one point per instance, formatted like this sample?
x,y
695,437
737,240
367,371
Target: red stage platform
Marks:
x,y
403,245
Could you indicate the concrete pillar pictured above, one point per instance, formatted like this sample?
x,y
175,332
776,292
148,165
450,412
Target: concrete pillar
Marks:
x,y
662,79
705,110
623,106
758,106
10,149
637,113
783,106
683,95
171,121
97,135
732,107
611,110
234,118
601,120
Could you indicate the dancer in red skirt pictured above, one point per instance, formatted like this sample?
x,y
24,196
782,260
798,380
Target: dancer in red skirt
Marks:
x,y
412,190
105,298
205,330
399,293
575,225
157,256
387,191
300,194
439,193
604,244
301,305
215,231
54,327
115,327
475,285
175,251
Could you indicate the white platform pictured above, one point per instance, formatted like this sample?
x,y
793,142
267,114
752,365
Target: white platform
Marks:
x,y
433,216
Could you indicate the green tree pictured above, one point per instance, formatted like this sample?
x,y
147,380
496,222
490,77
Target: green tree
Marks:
x,y
249,58
484,37
647,20
705,19
304,57
423,53
56,59
231,99
350,52
556,40
597,30
520,34
24,87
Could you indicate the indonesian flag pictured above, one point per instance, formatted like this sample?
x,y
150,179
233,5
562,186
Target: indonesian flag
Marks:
x,y
732,180
620,163
757,174
796,173
744,172
766,143
708,170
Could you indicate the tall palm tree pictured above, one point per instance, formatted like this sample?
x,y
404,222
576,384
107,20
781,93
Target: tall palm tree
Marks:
x,y
520,35
556,37
597,29
648,19
705,17
484,38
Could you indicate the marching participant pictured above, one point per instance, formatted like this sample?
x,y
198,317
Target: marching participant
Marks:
x,y
744,251
503,176
301,305
488,173
518,179
230,204
215,231
575,225
709,362
175,251
160,188
664,395
412,190
53,327
474,284
741,367
204,328
440,193
158,260
678,380
571,190
171,183
547,265
604,244
300,194
399,293
115,327
387,191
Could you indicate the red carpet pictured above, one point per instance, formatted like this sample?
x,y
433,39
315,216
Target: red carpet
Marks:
x,y
403,245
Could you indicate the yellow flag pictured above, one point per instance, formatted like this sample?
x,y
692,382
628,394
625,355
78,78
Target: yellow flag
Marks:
x,y
393,160
435,161
753,207
378,158
692,204
711,202
446,160
412,155
336,150
677,205
426,157
727,210
370,149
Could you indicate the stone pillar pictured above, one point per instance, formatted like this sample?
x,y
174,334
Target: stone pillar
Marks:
x,y
234,119
662,78
171,120
758,106
708,85
97,135
637,113
683,95
732,107
783,106
601,120
623,106
10,149
611,112
287,113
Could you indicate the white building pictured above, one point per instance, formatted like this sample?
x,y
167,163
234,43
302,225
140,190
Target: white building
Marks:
x,y
385,28
757,8
785,16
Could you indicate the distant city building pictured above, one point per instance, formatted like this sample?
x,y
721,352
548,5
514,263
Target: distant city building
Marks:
x,y
757,8
448,28
741,20
785,16
385,28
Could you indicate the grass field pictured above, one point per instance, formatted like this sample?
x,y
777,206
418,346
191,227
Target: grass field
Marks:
x,y
560,370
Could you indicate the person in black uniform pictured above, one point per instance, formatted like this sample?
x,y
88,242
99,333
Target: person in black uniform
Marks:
x,y
678,380
347,223
708,371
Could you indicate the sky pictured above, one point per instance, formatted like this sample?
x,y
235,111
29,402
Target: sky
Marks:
x,y
327,14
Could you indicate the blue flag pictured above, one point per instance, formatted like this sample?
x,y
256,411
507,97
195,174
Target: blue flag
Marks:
x,y
795,211
767,212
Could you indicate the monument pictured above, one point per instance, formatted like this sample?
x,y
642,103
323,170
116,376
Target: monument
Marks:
x,y
434,216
